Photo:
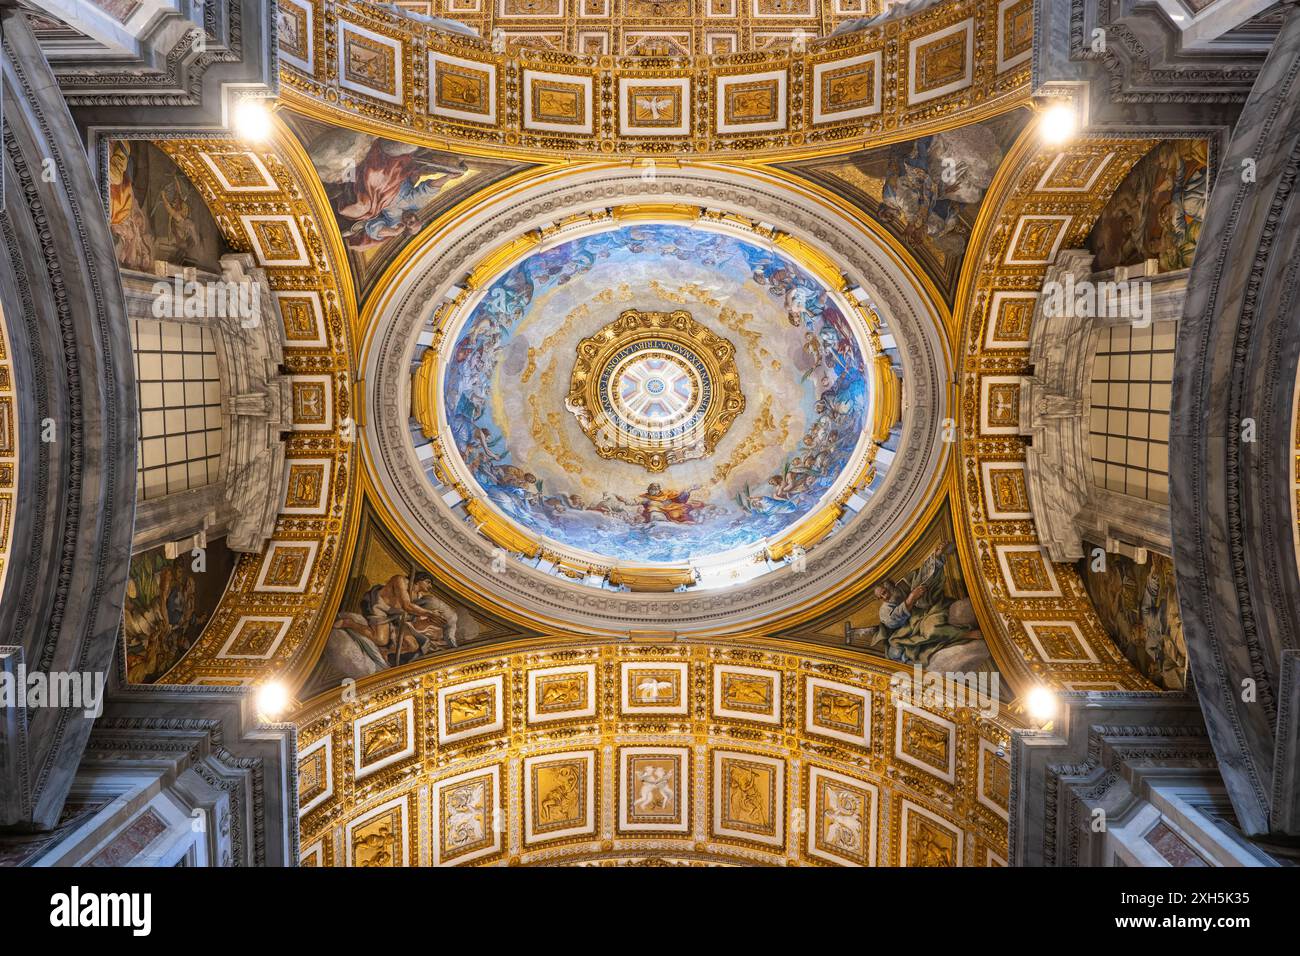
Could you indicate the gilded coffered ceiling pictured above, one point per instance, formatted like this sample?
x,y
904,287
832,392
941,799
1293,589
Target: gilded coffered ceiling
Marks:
x,y
927,68
265,205
1049,200
609,754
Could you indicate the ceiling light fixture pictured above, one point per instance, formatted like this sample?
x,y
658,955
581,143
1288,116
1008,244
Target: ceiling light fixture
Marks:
x,y
272,700
1040,704
1059,123
252,121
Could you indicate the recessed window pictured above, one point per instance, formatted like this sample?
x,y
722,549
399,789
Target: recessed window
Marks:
x,y
180,408
1129,419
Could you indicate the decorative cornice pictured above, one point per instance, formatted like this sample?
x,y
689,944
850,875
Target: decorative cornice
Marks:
x,y
213,732
181,68
1102,742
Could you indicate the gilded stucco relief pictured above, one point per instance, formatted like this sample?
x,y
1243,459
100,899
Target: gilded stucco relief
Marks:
x,y
406,78
709,754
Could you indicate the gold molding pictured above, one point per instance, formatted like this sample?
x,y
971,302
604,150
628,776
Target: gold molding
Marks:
x,y
807,533
10,416
424,393
500,531
588,397
812,258
307,177
496,261
292,195
656,212
654,28
650,579
888,391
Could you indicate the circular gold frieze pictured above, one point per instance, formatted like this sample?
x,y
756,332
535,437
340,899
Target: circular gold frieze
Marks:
x,y
655,389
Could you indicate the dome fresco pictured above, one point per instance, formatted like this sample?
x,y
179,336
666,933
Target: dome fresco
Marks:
x,y
688,319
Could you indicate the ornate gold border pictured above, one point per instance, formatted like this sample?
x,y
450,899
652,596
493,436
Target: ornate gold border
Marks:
x,y
715,352
320,93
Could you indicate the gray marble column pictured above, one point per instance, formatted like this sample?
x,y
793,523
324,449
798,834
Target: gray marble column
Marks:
x,y
66,317
1232,438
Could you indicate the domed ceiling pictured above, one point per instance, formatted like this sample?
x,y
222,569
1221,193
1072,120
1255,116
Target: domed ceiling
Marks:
x,y
652,384
657,393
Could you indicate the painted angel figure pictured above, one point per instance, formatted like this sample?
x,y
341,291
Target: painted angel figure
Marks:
x,y
181,230
390,187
